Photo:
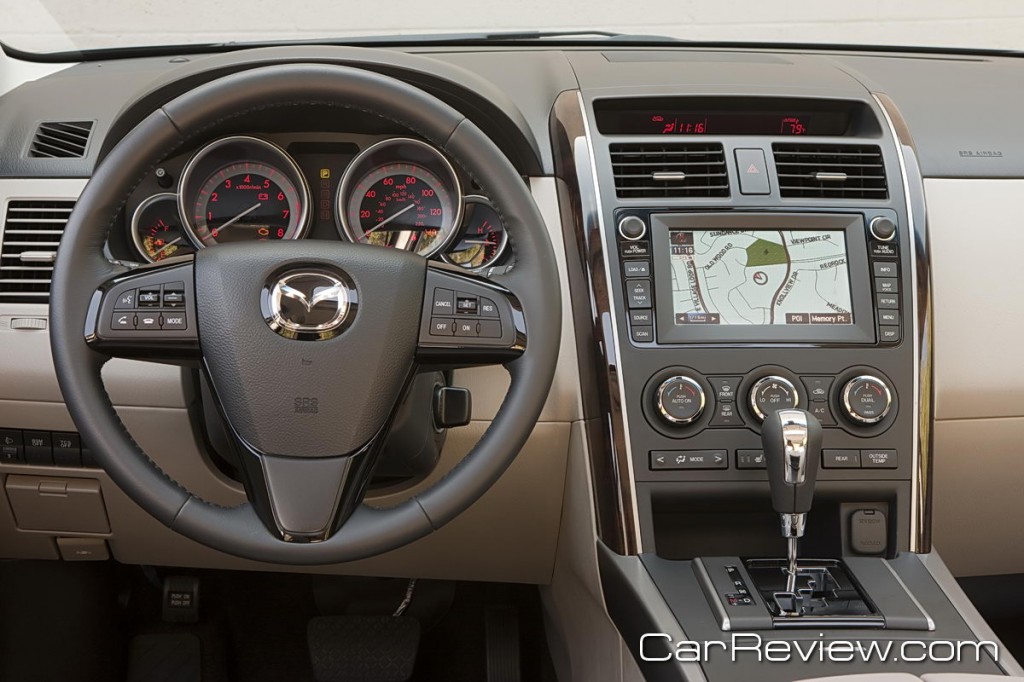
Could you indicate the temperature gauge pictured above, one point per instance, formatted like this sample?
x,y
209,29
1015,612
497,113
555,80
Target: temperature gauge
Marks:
x,y
482,238
156,229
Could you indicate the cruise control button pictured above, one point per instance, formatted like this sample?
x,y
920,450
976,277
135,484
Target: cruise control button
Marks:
x,y
465,304
887,285
750,459
817,387
441,327
822,412
174,321
725,388
726,414
885,268
878,459
444,302
490,329
149,298
638,293
466,328
636,268
123,321
126,300
642,333
840,459
147,321
488,308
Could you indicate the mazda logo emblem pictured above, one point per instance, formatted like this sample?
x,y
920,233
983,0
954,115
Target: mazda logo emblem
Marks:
x,y
308,305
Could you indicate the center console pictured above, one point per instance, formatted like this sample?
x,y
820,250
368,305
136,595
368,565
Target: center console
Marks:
x,y
757,269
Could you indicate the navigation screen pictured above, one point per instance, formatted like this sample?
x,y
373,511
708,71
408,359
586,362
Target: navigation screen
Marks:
x,y
760,277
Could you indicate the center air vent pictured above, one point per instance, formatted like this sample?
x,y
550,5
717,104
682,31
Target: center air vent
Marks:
x,y
61,140
671,170
31,235
830,171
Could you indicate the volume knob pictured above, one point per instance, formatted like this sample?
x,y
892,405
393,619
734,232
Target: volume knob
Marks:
x,y
680,400
632,228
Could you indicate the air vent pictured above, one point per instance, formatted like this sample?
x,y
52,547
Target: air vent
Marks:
x,y
60,140
674,170
827,171
31,235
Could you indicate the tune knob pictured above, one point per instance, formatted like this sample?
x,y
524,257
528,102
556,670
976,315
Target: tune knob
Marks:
x,y
882,228
680,400
866,399
772,393
632,228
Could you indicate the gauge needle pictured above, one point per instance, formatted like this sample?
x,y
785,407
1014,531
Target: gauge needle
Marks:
x,y
167,246
388,219
239,216
477,241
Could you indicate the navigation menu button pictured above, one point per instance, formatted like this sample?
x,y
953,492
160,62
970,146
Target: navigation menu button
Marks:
x,y
888,317
886,268
887,285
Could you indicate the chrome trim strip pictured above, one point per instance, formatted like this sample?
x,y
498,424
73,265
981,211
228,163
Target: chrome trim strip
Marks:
x,y
920,607
627,488
709,589
920,484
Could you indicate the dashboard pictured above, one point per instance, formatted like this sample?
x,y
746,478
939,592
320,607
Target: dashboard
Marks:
x,y
393,191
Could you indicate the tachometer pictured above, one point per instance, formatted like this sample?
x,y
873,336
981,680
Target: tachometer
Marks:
x,y
482,238
400,193
156,228
240,189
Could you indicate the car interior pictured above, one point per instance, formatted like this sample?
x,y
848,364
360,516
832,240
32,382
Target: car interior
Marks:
x,y
511,357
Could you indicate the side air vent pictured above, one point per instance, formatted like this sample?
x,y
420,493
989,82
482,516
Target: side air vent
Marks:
x,y
61,140
828,171
31,235
672,170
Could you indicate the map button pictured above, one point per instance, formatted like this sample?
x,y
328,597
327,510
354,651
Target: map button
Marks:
x,y
887,285
753,171
885,268
638,293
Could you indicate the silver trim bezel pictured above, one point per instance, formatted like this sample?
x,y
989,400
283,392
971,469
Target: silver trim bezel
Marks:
x,y
136,215
348,178
661,405
752,399
476,199
849,408
275,150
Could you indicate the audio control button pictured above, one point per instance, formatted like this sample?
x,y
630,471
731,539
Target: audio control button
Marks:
x,y
632,228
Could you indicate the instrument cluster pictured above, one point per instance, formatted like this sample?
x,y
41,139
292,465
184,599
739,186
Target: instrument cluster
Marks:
x,y
398,192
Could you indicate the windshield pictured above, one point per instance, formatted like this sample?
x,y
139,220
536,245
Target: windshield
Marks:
x,y
65,25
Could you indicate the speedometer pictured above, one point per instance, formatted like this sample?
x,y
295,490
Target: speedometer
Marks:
x,y
400,193
241,189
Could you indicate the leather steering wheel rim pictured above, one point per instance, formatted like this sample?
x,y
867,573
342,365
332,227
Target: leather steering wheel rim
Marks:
x,y
81,267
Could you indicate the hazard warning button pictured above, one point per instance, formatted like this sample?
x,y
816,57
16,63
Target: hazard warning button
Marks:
x,y
753,171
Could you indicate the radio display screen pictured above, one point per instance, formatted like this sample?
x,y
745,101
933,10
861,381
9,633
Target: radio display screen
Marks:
x,y
760,277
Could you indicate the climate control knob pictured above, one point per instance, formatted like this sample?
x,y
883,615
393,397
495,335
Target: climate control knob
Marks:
x,y
680,400
866,399
772,393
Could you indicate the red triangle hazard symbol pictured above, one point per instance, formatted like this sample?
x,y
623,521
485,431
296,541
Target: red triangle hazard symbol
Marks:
x,y
752,170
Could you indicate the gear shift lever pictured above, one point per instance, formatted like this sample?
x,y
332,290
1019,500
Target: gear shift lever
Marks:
x,y
792,449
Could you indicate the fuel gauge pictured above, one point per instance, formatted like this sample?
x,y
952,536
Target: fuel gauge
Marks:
x,y
482,238
156,229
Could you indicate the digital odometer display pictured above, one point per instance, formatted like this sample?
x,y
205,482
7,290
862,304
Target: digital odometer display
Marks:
x,y
760,277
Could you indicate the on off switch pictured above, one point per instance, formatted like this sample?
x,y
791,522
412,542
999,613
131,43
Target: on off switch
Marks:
x,y
680,400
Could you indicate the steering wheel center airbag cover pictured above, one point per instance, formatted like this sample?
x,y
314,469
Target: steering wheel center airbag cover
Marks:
x,y
289,397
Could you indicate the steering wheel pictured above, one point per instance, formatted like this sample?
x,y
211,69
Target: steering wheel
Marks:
x,y
308,345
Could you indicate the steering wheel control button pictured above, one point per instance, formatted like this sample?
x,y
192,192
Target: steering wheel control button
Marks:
x,y
882,228
488,308
878,459
750,459
147,321
126,300
149,298
680,400
466,305
466,328
444,302
840,459
636,268
632,228
174,295
866,400
173,321
440,326
490,329
638,293
123,320
772,393
668,460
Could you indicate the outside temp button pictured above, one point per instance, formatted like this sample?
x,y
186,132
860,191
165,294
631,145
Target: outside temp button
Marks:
x,y
680,400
